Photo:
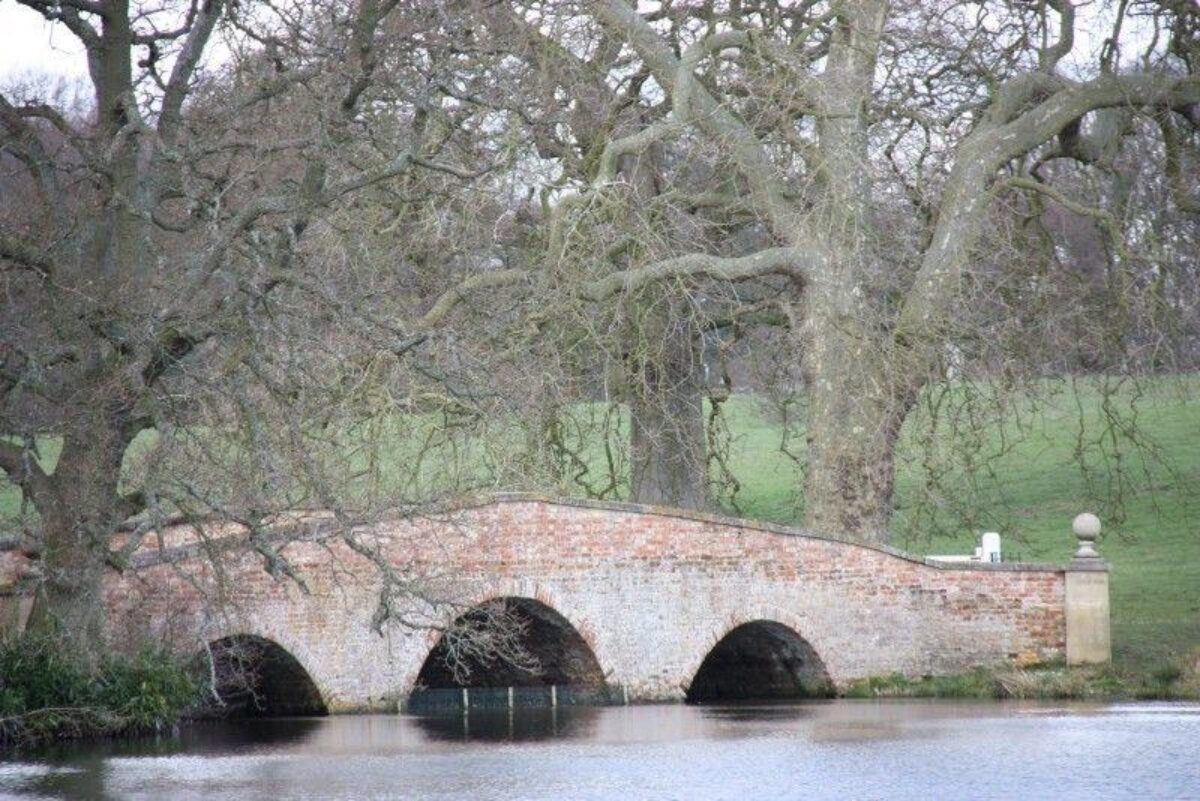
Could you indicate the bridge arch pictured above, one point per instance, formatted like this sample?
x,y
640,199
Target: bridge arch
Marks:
x,y
511,641
758,660
254,676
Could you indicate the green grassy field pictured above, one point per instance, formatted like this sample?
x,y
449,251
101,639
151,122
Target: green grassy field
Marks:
x,y
970,461
1028,484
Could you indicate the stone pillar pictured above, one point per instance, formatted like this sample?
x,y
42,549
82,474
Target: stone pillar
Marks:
x,y
1089,640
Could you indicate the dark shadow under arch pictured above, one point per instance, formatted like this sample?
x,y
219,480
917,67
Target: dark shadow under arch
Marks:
x,y
511,642
760,660
251,676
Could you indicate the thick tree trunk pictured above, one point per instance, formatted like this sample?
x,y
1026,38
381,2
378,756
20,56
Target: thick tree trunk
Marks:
x,y
849,475
858,400
69,603
855,410
80,514
669,465
666,418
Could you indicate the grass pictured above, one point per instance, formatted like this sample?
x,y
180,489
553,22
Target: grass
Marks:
x,y
1031,485
1107,682
973,460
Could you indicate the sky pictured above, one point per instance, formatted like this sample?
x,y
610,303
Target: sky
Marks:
x,y
31,46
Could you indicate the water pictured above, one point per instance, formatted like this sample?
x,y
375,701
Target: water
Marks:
x,y
842,749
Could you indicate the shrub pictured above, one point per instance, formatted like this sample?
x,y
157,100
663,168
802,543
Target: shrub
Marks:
x,y
35,674
47,693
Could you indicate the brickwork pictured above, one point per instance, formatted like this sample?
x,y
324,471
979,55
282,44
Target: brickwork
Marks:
x,y
651,592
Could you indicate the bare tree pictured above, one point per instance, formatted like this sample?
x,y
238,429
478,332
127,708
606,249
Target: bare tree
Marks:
x,y
254,242
825,118
167,270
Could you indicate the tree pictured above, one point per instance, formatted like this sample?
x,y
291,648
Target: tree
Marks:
x,y
824,117
166,265
563,94
209,251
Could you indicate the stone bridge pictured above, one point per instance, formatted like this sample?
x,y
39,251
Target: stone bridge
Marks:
x,y
653,604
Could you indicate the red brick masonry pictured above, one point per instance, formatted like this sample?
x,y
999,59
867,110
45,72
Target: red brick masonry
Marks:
x,y
650,590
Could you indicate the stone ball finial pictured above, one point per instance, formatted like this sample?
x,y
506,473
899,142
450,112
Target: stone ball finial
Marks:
x,y
1087,528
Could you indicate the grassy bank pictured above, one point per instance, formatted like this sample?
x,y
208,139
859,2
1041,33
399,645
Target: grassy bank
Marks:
x,y
972,459
1046,682
1027,483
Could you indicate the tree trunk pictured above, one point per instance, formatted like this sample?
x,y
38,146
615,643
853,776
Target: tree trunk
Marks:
x,y
858,401
666,416
849,475
69,603
80,514
665,374
855,412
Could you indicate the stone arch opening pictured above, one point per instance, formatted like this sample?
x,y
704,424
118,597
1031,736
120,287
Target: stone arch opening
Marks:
x,y
760,660
251,676
511,642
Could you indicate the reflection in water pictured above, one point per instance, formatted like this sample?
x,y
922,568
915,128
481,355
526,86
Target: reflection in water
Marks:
x,y
743,713
857,732
201,737
840,749
521,724
214,737
75,769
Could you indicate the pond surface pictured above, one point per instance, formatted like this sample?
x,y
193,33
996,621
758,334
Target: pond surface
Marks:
x,y
840,749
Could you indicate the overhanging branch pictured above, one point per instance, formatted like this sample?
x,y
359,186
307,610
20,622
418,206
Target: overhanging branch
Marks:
x,y
770,261
790,261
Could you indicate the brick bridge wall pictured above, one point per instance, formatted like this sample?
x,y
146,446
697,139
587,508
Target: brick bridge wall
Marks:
x,y
650,590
